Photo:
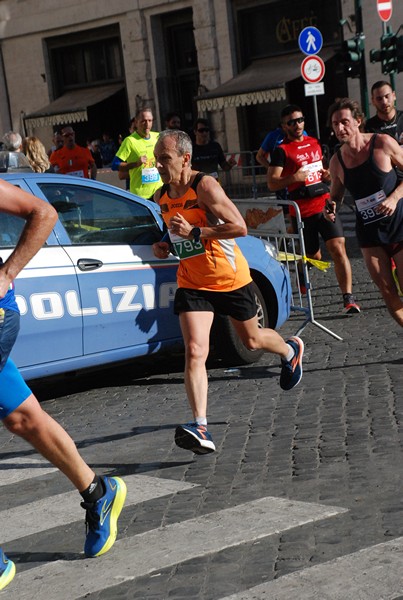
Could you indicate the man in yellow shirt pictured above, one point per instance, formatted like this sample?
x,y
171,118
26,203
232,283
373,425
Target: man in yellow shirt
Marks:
x,y
136,156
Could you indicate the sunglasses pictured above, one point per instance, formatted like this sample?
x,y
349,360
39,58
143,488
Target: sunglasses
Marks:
x,y
293,122
67,134
203,130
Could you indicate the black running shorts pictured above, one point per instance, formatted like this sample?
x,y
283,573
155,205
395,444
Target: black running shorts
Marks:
x,y
318,224
238,304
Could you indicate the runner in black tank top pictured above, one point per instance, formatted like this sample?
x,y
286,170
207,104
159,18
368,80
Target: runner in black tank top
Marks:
x,y
366,165
363,181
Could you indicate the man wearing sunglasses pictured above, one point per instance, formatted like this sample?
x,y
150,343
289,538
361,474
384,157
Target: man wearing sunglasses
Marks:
x,y
297,164
208,154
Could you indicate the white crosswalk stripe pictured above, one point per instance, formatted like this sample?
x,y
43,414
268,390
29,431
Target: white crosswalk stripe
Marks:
x,y
374,573
14,470
167,546
25,520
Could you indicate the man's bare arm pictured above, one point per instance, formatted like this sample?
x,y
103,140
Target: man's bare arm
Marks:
x,y
261,158
40,218
336,189
276,182
213,199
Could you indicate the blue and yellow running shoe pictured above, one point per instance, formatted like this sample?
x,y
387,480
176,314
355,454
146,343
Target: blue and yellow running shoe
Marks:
x,y
102,517
7,570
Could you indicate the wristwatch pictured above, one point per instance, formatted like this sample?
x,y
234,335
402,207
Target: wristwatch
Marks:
x,y
196,233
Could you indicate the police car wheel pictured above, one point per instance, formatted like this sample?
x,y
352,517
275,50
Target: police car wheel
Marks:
x,y
226,344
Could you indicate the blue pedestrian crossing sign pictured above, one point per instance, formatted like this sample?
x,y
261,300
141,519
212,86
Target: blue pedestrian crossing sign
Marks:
x,y
310,41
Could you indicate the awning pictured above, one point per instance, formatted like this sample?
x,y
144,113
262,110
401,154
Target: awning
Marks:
x,y
71,107
262,81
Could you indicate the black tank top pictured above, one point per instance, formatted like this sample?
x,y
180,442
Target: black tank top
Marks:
x,y
367,178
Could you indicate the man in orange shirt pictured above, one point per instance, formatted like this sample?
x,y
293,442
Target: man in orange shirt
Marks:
x,y
213,276
72,159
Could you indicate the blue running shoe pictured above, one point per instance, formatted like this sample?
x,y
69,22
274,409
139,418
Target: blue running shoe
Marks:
x,y
194,437
291,372
102,517
7,570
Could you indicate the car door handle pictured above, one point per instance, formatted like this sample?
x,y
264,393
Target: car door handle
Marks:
x,y
89,264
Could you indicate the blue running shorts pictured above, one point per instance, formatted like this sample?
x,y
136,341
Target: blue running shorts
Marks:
x,y
9,328
13,389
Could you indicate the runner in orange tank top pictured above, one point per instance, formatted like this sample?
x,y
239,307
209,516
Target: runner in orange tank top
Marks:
x,y
213,276
220,266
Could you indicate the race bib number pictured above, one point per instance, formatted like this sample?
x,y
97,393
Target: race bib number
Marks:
x,y
76,173
186,248
314,174
150,175
367,207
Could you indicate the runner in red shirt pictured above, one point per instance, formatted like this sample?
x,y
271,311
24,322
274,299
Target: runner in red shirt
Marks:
x,y
297,164
72,159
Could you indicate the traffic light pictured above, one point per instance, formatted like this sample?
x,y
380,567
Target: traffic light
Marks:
x,y
375,55
351,56
399,54
390,54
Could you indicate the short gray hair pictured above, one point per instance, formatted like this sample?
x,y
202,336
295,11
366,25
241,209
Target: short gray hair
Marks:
x,y
183,141
12,141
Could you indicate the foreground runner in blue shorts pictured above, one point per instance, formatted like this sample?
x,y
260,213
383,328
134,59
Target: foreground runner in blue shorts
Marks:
x,y
21,412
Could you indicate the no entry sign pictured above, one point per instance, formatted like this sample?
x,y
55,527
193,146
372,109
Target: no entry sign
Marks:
x,y
384,8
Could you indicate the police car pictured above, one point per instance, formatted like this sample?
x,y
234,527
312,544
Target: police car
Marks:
x,y
95,294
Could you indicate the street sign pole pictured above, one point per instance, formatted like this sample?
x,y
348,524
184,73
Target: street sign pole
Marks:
x,y
310,42
392,76
363,76
385,9
315,108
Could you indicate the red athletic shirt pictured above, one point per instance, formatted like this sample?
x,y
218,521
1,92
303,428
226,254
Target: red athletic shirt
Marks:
x,y
73,161
292,155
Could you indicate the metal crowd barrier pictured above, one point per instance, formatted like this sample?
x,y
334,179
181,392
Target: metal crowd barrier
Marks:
x,y
246,179
265,219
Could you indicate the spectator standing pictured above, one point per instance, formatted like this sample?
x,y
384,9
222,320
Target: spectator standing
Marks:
x,y
297,165
21,412
73,159
270,142
57,140
96,153
365,165
132,125
208,154
136,156
35,152
108,149
12,141
172,120
387,119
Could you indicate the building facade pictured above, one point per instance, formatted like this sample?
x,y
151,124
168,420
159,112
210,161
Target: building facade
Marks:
x,y
236,62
